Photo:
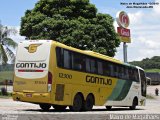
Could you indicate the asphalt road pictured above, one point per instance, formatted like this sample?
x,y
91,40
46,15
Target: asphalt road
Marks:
x,y
18,110
9,106
27,111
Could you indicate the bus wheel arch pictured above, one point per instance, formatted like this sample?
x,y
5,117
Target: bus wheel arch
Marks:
x,y
45,107
89,102
78,101
108,107
134,103
59,107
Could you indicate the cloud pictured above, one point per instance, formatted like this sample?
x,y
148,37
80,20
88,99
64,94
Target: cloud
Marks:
x,y
136,18
156,7
145,34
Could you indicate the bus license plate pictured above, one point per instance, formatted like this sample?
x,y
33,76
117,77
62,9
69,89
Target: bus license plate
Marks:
x,y
28,95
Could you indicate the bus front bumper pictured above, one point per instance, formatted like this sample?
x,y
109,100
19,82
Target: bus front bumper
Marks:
x,y
31,97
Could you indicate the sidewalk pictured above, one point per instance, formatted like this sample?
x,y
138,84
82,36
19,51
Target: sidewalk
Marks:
x,y
151,91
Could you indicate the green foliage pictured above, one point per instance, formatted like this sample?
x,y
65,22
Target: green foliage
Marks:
x,y
152,70
73,22
6,75
6,53
7,67
8,95
153,63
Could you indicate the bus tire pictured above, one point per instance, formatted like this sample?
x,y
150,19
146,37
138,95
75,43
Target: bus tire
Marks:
x,y
77,103
108,107
59,107
45,107
134,104
89,102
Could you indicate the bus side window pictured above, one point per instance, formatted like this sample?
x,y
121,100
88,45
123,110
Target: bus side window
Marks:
x,y
59,55
130,74
88,67
67,59
93,66
126,74
136,75
120,71
115,69
100,68
107,68
78,62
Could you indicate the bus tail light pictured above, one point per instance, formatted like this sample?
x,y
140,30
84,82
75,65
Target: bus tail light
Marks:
x,y
49,81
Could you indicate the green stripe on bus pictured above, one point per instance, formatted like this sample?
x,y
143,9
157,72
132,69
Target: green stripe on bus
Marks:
x,y
124,91
117,90
121,90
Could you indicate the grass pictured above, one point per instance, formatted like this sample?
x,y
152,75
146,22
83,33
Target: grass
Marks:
x,y
6,75
5,97
9,95
152,70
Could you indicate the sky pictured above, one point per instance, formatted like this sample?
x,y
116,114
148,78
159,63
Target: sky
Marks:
x,y
144,23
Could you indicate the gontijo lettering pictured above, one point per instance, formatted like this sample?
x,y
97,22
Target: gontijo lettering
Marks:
x,y
31,65
98,80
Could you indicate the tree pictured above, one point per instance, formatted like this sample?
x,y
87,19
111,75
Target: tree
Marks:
x,y
6,43
73,22
152,63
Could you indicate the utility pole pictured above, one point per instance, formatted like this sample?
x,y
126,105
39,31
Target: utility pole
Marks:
x,y
125,51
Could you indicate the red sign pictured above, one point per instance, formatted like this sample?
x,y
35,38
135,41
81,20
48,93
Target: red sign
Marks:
x,y
123,32
122,19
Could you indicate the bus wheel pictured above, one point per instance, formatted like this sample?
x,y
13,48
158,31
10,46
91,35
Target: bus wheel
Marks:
x,y
134,104
59,107
108,107
88,104
77,103
45,107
